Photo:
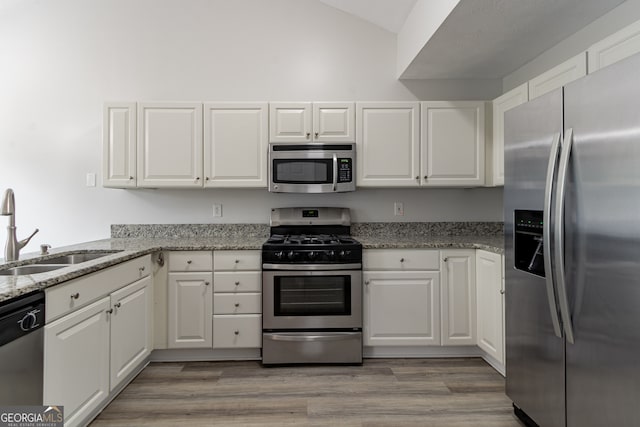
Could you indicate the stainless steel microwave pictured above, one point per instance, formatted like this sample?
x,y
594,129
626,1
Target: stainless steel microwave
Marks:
x,y
312,168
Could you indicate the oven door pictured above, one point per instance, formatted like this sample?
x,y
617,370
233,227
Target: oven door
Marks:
x,y
311,168
303,300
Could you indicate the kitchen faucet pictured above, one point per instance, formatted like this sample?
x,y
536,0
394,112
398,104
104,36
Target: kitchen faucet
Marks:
x,y
13,246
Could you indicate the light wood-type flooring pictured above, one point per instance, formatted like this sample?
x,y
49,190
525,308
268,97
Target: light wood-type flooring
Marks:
x,y
381,392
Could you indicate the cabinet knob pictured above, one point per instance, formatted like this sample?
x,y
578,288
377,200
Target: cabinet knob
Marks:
x,y
237,304
110,311
502,291
237,283
445,259
366,282
237,261
417,178
308,135
197,178
236,332
130,178
206,283
206,178
75,296
142,269
188,261
117,305
317,134
425,177
401,259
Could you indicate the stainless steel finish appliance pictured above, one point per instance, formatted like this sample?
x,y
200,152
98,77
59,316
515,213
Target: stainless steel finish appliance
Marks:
x,y
312,168
572,241
22,350
311,288
13,246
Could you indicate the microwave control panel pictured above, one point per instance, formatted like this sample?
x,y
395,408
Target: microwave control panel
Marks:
x,y
345,170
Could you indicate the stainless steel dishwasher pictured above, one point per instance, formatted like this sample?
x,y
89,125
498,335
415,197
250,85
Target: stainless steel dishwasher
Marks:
x,y
22,350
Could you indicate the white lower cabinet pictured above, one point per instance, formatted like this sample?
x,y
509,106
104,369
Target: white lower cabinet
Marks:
x,y
237,299
458,291
90,350
76,362
489,284
401,308
190,299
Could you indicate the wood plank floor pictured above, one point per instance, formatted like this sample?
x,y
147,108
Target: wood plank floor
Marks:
x,y
381,392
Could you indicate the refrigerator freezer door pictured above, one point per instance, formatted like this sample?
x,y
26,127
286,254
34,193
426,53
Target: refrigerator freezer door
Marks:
x,y
602,252
535,355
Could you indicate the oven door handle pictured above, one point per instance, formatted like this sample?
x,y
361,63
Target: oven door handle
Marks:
x,y
335,336
312,267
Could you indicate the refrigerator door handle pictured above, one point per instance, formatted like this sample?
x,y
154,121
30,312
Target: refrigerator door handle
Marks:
x,y
558,237
546,233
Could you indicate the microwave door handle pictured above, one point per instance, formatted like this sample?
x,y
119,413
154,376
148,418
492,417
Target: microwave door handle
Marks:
x,y
335,172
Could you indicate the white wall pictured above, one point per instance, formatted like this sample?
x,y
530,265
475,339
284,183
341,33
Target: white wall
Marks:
x,y
61,59
623,15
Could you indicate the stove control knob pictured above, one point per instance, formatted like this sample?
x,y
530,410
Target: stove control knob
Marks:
x,y
312,255
331,255
279,255
291,255
342,254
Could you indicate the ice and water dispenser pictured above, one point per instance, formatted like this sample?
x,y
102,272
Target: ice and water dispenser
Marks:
x,y
528,242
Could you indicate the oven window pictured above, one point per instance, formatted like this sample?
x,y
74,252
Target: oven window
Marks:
x,y
303,171
312,296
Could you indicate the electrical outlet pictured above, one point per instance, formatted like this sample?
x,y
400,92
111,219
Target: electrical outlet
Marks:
x,y
217,209
91,179
398,209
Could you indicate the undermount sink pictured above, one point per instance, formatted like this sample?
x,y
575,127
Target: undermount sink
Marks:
x,y
75,258
29,269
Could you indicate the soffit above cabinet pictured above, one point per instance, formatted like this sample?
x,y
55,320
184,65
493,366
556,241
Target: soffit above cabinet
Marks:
x,y
480,39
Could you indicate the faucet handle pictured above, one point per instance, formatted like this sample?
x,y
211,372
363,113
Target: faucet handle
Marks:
x,y
24,242
44,249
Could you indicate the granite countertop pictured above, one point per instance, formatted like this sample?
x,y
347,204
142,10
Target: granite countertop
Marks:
x,y
135,246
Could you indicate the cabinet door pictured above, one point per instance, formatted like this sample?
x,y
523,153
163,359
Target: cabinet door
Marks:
x,y
500,105
76,361
452,147
131,330
119,145
458,272
617,46
401,308
235,144
388,140
169,145
290,122
333,121
490,307
190,310
558,76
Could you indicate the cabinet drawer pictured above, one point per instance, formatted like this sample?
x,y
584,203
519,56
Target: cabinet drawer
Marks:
x,y
237,331
237,282
401,259
78,292
249,303
190,261
237,260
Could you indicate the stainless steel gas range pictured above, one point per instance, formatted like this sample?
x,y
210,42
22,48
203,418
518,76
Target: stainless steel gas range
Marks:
x,y
312,288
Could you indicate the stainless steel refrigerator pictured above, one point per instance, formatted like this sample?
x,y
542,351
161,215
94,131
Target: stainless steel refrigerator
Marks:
x,y
572,242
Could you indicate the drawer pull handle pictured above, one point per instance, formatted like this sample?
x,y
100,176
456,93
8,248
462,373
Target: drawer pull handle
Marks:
x,y
237,304
237,283
401,259
206,283
236,332
117,305
75,296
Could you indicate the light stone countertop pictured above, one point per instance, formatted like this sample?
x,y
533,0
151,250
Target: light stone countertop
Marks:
x,y
129,248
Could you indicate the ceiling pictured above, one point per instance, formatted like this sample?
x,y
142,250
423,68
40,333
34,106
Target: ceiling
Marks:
x,y
483,39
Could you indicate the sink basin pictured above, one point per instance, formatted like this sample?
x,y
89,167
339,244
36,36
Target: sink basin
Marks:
x,y
29,269
75,258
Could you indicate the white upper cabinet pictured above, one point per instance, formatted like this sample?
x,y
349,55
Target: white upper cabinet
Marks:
x,y
169,144
388,140
235,144
452,148
558,76
507,101
617,46
311,122
119,145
